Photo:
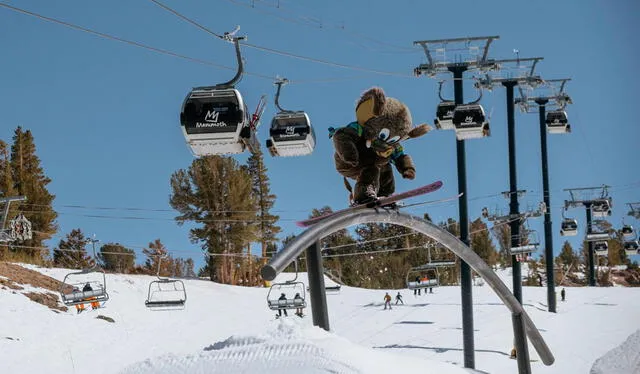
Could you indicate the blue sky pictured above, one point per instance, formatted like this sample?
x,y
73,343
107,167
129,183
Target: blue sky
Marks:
x,y
104,114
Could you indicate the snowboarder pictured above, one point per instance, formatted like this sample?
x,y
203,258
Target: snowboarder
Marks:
x,y
282,297
399,299
562,294
298,310
387,301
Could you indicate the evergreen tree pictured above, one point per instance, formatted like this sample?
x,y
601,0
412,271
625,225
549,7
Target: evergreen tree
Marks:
x,y
117,258
267,228
481,242
30,181
71,253
567,257
7,189
157,255
215,193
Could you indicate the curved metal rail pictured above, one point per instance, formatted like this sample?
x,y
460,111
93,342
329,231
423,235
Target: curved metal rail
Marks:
x,y
349,218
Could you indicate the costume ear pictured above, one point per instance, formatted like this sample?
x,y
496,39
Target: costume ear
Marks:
x,y
419,130
370,105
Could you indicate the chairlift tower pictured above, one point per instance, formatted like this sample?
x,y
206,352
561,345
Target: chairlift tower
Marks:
x,y
595,200
527,78
477,50
560,100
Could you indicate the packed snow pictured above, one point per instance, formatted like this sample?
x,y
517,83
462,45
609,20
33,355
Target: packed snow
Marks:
x,y
229,329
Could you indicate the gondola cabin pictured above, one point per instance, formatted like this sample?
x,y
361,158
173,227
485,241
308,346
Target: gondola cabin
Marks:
x,y
601,208
569,227
627,231
631,247
470,122
557,122
216,121
444,115
291,134
601,248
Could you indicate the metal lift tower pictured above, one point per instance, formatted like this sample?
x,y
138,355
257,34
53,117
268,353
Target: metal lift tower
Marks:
x,y
457,56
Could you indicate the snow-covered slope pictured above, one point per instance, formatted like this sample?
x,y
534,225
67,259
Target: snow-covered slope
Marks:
x,y
226,329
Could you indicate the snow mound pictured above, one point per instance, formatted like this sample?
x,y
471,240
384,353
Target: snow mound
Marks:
x,y
290,348
623,359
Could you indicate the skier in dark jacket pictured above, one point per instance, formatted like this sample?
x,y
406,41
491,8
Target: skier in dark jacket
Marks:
x,y
282,297
399,299
416,291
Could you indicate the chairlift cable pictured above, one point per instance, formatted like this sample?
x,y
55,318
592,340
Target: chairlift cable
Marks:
x,y
283,53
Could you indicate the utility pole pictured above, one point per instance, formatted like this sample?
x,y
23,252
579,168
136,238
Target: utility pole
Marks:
x,y
437,63
597,203
553,124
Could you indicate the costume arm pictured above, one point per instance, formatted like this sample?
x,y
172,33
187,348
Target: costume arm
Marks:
x,y
405,166
345,146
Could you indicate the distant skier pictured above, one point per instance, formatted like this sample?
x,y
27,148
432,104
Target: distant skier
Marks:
x,y
387,301
399,299
298,310
562,294
282,297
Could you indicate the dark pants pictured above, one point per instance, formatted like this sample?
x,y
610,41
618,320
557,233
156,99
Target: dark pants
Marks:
x,y
280,312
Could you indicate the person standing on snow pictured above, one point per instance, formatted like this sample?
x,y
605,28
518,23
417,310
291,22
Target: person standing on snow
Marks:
x,y
562,294
387,301
399,299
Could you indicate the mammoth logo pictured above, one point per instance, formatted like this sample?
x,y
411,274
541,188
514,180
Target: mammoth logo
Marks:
x,y
290,130
468,119
212,116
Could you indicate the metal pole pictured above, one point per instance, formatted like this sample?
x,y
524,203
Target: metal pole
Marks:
x,y
514,224
466,290
524,365
316,287
548,227
592,274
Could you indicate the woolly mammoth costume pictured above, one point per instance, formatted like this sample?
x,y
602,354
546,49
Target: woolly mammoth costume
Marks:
x,y
366,149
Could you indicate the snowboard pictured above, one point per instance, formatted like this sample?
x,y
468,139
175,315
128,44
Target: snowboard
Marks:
x,y
380,203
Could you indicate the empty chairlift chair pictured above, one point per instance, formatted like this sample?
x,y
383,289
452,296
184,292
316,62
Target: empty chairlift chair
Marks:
x,y
166,293
557,122
291,133
627,231
215,119
85,286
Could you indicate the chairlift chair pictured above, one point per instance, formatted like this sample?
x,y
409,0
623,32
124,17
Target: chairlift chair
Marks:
x,y
523,251
631,247
166,293
601,248
71,288
289,289
470,122
416,277
557,122
215,119
20,228
597,236
444,115
569,227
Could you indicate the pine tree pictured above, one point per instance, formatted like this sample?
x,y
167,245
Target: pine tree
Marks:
x,y
567,257
117,258
71,253
268,229
7,189
481,242
157,255
30,181
215,193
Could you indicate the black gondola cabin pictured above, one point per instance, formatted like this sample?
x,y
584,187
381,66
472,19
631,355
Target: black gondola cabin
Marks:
x,y
291,134
470,122
444,115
